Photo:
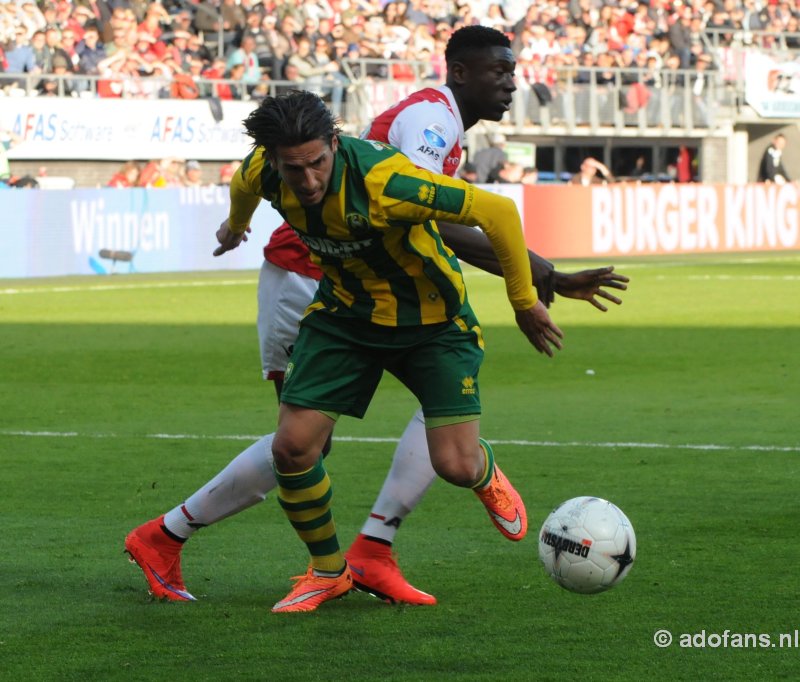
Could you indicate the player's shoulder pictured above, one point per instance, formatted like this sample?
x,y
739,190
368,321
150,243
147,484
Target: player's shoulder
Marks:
x,y
364,153
257,173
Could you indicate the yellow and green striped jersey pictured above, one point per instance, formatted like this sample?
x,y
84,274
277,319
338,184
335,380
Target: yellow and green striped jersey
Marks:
x,y
374,237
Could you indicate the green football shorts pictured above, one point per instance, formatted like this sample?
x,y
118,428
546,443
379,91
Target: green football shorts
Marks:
x,y
337,363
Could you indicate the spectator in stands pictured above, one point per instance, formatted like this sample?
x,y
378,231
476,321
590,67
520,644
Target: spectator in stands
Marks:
x,y
193,174
283,42
155,16
177,48
316,10
291,75
226,172
123,34
90,51
32,17
506,172
80,18
530,175
491,157
237,87
234,21
162,173
771,168
468,172
699,83
349,29
68,44
148,47
182,21
25,182
8,140
19,55
246,55
680,33
41,52
592,172
258,29
59,86
495,18
126,176
215,72
319,74
195,49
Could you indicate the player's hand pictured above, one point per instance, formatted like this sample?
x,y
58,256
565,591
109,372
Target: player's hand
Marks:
x,y
228,240
587,284
541,331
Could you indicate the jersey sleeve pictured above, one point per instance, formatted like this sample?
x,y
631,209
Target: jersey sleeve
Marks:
x,y
425,132
245,192
414,195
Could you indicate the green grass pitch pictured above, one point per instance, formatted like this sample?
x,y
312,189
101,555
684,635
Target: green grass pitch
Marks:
x,y
121,395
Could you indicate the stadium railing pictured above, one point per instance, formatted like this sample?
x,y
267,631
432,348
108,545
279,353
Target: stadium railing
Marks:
x,y
570,98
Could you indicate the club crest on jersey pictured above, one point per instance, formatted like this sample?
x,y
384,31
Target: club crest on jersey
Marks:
x,y
427,193
357,223
468,386
435,135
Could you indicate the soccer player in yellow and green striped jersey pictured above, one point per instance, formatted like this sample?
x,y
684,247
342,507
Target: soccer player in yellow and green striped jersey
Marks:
x,y
392,298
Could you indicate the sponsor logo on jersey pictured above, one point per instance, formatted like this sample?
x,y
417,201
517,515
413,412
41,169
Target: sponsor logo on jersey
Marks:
x,y
424,149
427,193
468,386
561,543
435,135
332,247
380,146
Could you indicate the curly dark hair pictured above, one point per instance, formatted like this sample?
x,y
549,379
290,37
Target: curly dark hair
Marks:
x,y
469,39
290,119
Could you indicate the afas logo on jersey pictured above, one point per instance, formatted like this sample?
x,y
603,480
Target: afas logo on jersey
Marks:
x,y
435,136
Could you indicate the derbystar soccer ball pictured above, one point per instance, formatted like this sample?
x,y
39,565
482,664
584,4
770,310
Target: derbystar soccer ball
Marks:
x,y
587,545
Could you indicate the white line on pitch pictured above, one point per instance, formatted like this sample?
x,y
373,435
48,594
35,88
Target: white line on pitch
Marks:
x,y
367,439
123,287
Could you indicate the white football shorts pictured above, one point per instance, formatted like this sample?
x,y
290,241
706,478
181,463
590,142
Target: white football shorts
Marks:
x,y
283,297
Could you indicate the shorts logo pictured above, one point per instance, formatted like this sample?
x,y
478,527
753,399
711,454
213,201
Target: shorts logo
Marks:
x,y
427,193
289,369
468,386
435,136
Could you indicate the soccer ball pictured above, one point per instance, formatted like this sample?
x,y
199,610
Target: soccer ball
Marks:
x,y
587,545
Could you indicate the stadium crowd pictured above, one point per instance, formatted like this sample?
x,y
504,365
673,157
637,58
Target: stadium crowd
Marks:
x,y
230,49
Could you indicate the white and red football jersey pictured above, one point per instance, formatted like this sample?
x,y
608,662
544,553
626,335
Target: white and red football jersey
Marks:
x,y
426,126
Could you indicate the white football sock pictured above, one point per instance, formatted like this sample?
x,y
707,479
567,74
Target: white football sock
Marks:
x,y
241,484
409,478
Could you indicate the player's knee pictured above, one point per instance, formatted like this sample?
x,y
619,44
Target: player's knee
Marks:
x,y
292,455
460,468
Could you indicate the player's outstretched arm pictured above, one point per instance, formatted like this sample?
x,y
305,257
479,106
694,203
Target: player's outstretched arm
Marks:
x,y
586,285
474,247
540,330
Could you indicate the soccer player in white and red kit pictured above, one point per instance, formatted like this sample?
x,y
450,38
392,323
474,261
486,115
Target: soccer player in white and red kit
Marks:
x,y
428,127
